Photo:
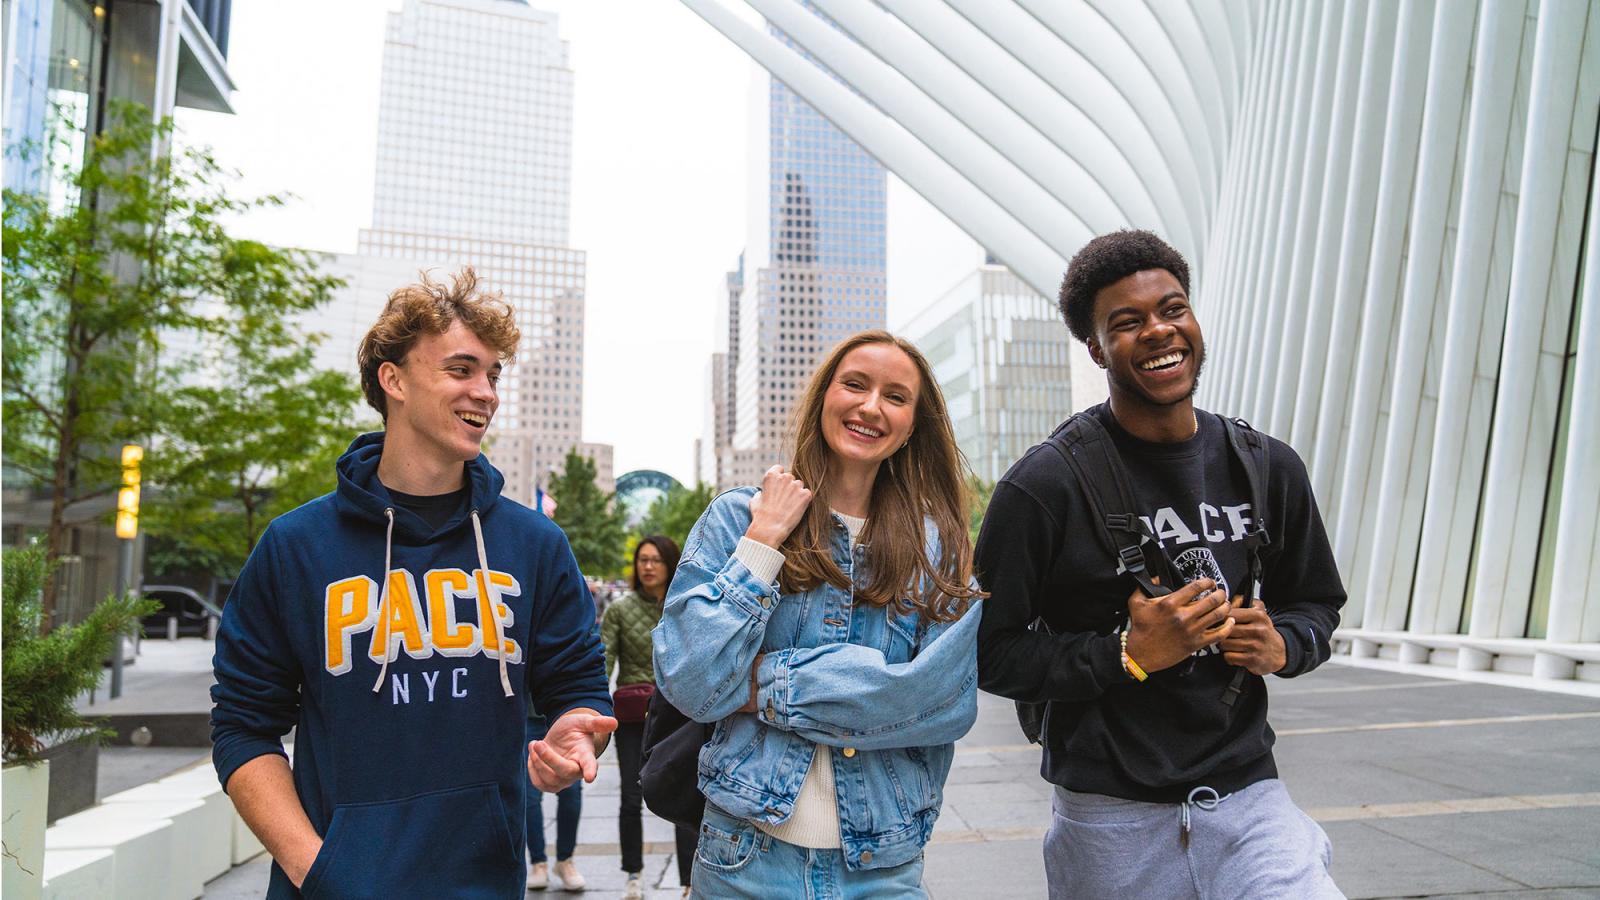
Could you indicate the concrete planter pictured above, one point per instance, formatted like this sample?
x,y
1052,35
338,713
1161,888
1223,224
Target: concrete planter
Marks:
x,y
74,776
26,791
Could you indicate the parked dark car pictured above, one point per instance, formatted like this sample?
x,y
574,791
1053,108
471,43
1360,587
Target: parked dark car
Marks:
x,y
193,612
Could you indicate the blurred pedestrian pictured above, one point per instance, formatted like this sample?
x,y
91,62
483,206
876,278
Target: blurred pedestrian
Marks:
x,y
828,625
625,631
569,808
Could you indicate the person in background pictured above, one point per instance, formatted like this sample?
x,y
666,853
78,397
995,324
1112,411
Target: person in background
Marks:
x,y
828,625
625,630
569,808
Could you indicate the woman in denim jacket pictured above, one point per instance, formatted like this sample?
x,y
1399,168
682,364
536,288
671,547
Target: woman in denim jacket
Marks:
x,y
827,624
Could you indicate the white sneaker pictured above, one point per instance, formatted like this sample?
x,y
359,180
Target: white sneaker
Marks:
x,y
634,889
567,871
538,877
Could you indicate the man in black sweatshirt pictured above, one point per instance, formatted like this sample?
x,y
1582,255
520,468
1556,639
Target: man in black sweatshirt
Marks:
x,y
1162,789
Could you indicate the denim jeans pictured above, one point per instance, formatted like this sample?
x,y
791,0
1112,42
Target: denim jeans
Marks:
x,y
737,860
569,806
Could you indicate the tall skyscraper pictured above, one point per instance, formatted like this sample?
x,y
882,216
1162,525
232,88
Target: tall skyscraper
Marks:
x,y
813,270
475,168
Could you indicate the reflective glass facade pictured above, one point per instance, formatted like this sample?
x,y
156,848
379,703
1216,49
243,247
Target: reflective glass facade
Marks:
x,y
817,274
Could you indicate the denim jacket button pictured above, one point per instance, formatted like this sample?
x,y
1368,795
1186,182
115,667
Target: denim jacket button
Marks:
x,y
766,602
866,856
849,752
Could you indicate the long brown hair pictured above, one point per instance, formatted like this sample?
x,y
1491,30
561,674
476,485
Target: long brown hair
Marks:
x,y
924,478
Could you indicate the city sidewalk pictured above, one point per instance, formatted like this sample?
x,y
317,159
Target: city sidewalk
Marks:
x,y
1427,787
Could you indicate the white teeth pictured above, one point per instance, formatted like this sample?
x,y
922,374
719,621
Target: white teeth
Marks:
x,y
1160,361
862,429
474,419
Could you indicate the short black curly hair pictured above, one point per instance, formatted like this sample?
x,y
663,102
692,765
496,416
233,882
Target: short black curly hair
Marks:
x,y
1106,260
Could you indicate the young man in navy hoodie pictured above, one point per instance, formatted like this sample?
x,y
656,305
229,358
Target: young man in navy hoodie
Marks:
x,y
1156,734
401,625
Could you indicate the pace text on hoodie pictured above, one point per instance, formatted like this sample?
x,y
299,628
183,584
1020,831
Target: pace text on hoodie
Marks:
x,y
416,787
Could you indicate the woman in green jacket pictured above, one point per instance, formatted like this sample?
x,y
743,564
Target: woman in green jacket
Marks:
x,y
625,630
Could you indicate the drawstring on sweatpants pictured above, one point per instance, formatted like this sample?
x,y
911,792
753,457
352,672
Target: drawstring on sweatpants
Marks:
x,y
1205,803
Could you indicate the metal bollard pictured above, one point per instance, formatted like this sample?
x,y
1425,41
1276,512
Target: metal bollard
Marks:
x,y
172,628
211,628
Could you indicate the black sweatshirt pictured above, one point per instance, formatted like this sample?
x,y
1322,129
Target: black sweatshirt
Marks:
x,y
1040,554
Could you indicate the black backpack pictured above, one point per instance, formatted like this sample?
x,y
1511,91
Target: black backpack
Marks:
x,y
1087,449
669,768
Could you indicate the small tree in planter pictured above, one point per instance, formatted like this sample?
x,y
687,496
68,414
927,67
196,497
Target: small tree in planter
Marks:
x,y
43,675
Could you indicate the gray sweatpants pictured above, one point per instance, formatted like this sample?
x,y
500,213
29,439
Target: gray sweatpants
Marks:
x,y
1254,843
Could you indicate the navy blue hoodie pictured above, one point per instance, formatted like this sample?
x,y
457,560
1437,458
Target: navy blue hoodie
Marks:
x,y
417,787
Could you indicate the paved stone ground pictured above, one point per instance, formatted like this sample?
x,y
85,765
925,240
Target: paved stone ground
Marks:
x,y
1428,788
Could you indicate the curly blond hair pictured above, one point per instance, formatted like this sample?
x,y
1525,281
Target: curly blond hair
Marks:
x,y
430,307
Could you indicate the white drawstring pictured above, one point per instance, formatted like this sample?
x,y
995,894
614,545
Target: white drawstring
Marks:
x,y
1194,799
499,635
383,601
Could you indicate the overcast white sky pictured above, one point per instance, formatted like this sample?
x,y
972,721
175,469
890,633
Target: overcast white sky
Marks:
x,y
657,194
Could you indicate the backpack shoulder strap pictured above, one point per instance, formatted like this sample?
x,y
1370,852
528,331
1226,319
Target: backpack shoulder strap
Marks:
x,y
1250,449
1086,447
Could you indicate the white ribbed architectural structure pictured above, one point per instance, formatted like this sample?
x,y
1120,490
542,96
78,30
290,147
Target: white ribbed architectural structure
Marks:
x,y
1391,212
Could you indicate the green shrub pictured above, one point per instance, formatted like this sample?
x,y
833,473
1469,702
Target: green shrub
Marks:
x,y
44,674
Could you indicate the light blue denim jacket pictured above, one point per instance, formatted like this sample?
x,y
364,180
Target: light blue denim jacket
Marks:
x,y
891,691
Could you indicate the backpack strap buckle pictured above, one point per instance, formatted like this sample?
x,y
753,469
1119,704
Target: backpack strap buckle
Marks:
x,y
1132,558
1257,538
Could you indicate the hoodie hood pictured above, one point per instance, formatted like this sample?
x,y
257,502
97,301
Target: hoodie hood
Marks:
x,y
362,495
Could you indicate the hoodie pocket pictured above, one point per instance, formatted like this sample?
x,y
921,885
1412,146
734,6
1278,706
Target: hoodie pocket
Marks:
x,y
448,843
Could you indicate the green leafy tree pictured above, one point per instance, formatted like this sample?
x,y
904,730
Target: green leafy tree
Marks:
x,y
44,673
135,255
981,491
255,436
594,524
676,511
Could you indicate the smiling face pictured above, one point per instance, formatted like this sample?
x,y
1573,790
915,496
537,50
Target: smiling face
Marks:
x,y
870,405
443,395
1148,341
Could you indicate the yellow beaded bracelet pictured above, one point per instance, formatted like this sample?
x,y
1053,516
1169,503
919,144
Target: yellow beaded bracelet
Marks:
x,y
1128,665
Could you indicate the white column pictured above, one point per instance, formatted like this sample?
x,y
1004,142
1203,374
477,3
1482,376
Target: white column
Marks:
x,y
1281,201
943,55
1064,229
1281,366
1362,421
936,180
1473,319
1525,408
1410,422
1319,294
1225,278
1253,249
1355,244
1575,603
